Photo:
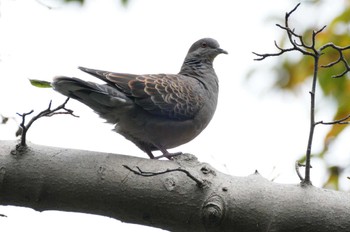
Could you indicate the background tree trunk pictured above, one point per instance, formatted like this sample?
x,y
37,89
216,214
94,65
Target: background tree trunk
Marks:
x,y
48,178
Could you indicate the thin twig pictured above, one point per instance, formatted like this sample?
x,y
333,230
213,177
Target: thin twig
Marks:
x,y
341,58
45,113
339,121
139,172
297,41
297,170
297,166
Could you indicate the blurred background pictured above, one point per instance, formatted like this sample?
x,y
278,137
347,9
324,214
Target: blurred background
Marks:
x,y
262,120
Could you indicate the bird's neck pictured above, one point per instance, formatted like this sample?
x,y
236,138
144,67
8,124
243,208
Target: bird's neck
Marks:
x,y
192,66
202,70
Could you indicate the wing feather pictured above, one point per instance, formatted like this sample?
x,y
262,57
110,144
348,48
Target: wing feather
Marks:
x,y
173,96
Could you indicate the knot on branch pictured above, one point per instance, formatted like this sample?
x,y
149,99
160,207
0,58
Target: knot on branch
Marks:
x,y
208,170
213,211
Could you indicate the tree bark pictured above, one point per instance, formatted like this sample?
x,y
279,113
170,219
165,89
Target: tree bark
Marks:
x,y
48,178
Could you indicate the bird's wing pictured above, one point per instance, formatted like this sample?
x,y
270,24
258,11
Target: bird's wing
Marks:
x,y
102,75
170,95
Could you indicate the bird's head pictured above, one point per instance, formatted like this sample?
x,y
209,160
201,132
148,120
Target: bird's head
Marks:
x,y
205,49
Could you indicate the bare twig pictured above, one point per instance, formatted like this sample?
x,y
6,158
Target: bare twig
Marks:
x,y
297,169
139,172
339,121
263,56
309,49
297,41
45,113
297,166
341,58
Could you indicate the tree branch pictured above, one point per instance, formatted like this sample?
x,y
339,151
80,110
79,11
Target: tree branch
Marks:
x,y
298,44
48,178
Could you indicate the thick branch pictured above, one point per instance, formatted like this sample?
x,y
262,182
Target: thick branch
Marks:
x,y
47,178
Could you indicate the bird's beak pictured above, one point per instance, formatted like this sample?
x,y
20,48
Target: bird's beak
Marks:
x,y
219,50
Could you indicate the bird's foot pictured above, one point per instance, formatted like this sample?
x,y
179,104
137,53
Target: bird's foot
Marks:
x,y
168,155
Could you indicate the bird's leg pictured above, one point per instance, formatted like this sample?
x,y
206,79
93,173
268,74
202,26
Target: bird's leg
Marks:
x,y
167,154
149,153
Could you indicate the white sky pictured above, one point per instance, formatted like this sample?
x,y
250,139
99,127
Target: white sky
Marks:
x,y
252,128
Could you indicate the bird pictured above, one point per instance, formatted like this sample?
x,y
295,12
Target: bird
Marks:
x,y
156,112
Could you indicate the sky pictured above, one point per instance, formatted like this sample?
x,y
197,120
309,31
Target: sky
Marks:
x,y
254,127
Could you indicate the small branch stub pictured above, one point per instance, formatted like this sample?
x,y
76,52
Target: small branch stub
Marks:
x,y
213,211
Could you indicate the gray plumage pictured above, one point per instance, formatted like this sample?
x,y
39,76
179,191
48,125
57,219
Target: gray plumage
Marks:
x,y
155,112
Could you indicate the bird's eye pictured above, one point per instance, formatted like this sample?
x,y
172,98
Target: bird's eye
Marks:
x,y
204,45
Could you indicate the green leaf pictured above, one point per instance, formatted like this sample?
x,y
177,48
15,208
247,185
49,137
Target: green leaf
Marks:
x,y
40,84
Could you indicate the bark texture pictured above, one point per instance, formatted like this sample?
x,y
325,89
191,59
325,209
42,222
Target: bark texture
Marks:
x,y
48,178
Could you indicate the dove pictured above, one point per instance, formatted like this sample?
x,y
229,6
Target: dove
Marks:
x,y
154,111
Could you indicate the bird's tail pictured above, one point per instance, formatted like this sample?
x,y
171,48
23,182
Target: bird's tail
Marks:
x,y
103,99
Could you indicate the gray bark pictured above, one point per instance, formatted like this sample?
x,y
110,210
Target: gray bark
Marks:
x,y
48,178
